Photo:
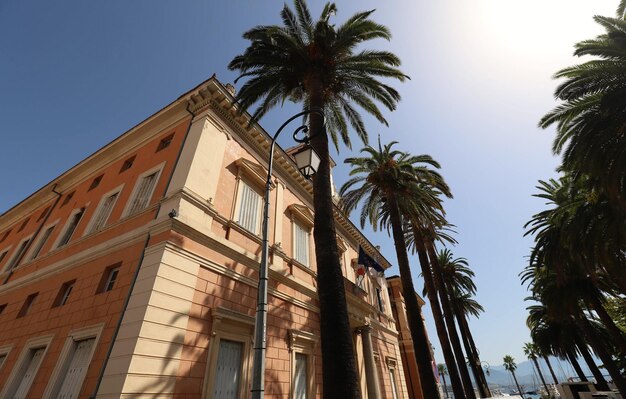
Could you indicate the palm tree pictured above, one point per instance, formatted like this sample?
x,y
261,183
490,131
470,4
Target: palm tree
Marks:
x,y
460,287
442,372
510,366
590,120
530,350
389,184
318,64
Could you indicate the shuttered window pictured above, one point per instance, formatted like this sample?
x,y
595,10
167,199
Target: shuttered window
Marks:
x,y
301,377
27,373
18,254
301,244
143,193
249,208
104,212
228,370
71,227
41,242
75,369
394,387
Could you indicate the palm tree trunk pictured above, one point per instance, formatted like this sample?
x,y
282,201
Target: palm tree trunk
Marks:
x,y
449,317
470,339
597,374
617,335
445,388
517,385
416,323
571,356
340,378
543,381
556,380
442,334
471,355
598,346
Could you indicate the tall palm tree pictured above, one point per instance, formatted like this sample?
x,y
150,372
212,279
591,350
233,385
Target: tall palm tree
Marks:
x,y
416,240
459,283
441,368
388,183
530,350
511,366
590,120
318,64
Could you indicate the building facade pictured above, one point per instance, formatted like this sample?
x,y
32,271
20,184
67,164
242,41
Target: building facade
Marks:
x,y
134,273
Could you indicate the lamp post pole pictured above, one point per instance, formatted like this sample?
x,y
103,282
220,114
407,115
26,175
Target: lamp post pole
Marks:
x,y
260,325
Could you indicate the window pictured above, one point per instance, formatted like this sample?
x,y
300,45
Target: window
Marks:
x,y
4,354
64,294
69,230
301,377
109,277
18,254
2,307
69,374
249,208
229,355
165,142
28,303
379,298
103,212
301,244
127,163
41,242
23,225
302,347
26,367
3,255
67,199
143,192
228,370
391,364
95,183
43,214
6,234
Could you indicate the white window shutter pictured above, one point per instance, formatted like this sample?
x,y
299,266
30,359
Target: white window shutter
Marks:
x,y
29,373
249,207
104,212
301,245
301,377
143,193
77,366
228,370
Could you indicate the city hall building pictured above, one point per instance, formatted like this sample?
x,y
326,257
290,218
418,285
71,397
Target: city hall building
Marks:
x,y
134,273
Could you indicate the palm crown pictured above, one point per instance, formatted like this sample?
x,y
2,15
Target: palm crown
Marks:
x,y
303,57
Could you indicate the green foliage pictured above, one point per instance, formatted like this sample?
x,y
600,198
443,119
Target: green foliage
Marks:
x,y
304,59
616,307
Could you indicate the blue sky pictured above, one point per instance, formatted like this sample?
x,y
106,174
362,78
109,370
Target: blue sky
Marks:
x,y
76,74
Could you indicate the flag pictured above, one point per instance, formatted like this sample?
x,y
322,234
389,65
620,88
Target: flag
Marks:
x,y
368,261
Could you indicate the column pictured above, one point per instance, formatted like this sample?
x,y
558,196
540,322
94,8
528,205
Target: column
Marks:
x,y
371,375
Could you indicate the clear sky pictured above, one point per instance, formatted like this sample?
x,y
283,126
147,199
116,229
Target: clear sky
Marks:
x,y
75,74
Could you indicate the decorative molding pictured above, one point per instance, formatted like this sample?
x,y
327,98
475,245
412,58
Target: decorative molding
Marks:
x,y
301,339
253,171
302,213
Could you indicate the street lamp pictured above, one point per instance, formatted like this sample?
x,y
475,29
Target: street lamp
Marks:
x,y
308,162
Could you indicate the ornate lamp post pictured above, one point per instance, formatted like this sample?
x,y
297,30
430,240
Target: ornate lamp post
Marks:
x,y
307,161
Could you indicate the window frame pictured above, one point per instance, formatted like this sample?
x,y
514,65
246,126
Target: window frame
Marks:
x,y
20,250
90,229
105,279
12,382
66,226
37,247
128,206
243,181
295,224
232,326
301,216
5,350
392,371
73,337
304,343
65,291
